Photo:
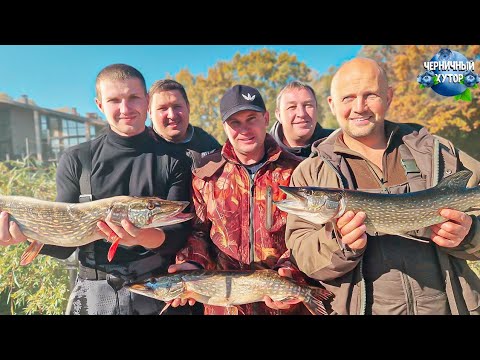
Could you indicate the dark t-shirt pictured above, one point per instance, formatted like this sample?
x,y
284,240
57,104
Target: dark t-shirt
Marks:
x,y
136,166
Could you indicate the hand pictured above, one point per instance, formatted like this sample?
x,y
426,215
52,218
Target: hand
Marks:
x,y
10,233
353,230
452,232
129,235
281,305
181,267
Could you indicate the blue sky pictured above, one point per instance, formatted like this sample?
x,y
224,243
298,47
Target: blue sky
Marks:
x,y
56,76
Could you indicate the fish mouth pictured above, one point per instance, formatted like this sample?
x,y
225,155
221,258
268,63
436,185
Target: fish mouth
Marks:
x,y
162,220
137,287
297,201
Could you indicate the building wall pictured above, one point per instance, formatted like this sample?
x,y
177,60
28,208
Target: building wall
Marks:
x,y
5,134
22,127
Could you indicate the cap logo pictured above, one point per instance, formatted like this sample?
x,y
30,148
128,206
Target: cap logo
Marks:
x,y
249,97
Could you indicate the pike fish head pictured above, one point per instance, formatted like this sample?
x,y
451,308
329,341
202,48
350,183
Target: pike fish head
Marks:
x,y
164,288
317,205
154,212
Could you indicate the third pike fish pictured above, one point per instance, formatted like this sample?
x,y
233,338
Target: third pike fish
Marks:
x,y
394,214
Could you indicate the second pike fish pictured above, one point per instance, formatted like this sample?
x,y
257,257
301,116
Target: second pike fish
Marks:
x,y
72,225
394,214
230,288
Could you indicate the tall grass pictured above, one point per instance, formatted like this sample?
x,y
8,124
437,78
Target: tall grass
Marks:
x,y
43,286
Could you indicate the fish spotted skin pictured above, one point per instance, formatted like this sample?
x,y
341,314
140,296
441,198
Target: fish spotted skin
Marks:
x,y
75,224
394,214
230,288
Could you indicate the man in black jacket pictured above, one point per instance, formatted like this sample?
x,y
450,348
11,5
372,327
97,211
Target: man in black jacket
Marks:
x,y
126,160
296,127
169,110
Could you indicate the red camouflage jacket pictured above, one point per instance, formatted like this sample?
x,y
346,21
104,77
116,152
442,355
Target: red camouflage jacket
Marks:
x,y
231,209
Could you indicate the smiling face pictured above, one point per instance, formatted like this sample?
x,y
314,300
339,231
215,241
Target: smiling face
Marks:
x,y
246,130
170,114
297,112
124,103
360,97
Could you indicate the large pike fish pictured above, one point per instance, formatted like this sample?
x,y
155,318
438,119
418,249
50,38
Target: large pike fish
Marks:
x,y
72,225
229,288
395,214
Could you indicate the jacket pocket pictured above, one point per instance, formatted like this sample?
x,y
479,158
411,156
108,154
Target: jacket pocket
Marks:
x,y
470,285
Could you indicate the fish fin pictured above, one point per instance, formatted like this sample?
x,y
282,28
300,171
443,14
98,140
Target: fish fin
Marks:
x,y
164,308
314,300
406,236
31,252
457,180
113,250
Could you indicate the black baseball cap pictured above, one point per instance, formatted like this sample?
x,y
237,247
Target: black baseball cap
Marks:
x,y
238,98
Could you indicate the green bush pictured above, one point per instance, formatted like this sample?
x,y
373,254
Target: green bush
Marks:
x,y
41,287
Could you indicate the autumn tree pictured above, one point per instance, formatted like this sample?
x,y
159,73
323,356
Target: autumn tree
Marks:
x,y
264,69
458,121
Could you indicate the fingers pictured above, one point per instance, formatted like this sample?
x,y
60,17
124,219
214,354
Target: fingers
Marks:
x,y
285,272
10,232
131,229
17,235
179,302
4,231
182,302
353,229
452,232
113,232
350,222
456,216
279,305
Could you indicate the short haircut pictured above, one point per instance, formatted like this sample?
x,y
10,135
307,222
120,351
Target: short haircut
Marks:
x,y
295,85
168,85
118,72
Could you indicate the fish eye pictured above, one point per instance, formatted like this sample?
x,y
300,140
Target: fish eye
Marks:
x,y
152,280
150,206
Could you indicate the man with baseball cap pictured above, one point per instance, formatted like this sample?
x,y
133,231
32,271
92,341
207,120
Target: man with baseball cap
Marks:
x,y
237,227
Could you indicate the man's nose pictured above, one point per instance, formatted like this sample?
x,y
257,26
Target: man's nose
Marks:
x,y
300,111
359,104
124,106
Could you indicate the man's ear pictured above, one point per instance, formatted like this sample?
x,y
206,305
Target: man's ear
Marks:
x,y
99,104
389,96
331,105
277,114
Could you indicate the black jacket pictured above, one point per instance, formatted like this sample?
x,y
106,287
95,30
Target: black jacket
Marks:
x,y
301,151
200,144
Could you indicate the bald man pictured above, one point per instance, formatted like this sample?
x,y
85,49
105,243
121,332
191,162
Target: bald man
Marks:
x,y
379,273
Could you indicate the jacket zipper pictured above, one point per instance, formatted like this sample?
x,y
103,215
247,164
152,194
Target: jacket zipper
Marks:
x,y
362,293
251,211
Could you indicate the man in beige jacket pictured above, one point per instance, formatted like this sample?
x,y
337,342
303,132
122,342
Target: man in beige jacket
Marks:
x,y
379,273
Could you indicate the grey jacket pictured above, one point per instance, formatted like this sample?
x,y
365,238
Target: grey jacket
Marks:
x,y
317,252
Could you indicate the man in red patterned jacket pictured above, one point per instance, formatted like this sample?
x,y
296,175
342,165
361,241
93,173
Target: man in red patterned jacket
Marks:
x,y
237,226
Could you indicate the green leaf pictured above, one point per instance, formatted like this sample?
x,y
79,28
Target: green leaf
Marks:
x,y
458,97
435,81
422,86
462,81
475,86
466,95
